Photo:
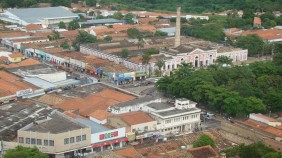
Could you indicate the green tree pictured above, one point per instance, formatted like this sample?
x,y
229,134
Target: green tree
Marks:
x,y
24,152
100,17
62,25
221,60
145,61
141,42
279,20
267,23
160,34
273,155
152,51
55,3
83,38
54,36
203,141
108,38
117,16
253,43
124,53
277,59
65,45
160,64
133,33
183,70
128,18
250,151
73,25
91,3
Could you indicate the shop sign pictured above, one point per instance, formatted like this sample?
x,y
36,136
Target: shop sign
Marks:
x,y
108,135
139,74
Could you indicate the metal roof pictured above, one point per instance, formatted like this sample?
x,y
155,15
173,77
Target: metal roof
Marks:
x,y
168,30
34,15
95,127
101,21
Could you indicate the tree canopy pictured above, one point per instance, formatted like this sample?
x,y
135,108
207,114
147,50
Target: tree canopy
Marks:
x,y
253,43
252,151
24,152
62,25
203,141
73,25
211,32
133,33
231,90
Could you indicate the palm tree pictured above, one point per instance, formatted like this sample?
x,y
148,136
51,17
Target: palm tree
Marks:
x,y
160,64
184,70
145,60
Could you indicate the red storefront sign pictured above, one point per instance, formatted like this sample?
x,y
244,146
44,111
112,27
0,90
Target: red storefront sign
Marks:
x,y
108,135
109,142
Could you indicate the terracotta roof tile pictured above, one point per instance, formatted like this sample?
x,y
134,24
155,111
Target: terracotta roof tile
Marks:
x,y
31,27
100,114
257,21
27,62
11,84
203,152
134,118
129,152
16,55
258,125
98,101
7,34
269,34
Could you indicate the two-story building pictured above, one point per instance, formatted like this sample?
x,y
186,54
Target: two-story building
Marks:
x,y
133,105
183,117
58,135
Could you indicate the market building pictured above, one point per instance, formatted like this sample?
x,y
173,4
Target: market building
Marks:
x,y
46,17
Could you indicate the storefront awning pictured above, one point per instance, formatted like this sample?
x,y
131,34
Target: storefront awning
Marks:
x,y
109,142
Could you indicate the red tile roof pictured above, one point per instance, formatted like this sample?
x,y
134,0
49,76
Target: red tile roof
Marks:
x,y
269,129
16,55
98,101
100,114
203,152
129,152
269,34
257,21
134,118
31,27
27,62
10,84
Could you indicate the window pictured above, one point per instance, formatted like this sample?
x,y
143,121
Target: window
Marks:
x,y
46,143
21,140
78,138
33,141
146,128
167,121
72,140
67,141
51,142
27,140
38,142
83,137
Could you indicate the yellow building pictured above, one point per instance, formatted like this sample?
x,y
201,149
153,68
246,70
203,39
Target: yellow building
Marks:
x,y
16,57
